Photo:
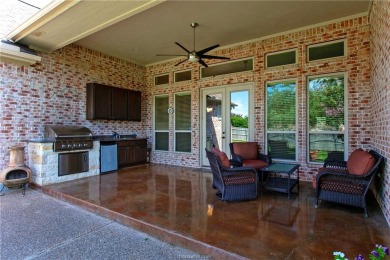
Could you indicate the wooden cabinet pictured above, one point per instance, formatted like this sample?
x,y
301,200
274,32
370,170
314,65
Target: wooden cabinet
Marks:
x,y
134,105
131,152
111,103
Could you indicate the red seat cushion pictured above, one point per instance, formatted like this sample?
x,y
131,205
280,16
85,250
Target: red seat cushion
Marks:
x,y
222,157
247,150
360,162
256,164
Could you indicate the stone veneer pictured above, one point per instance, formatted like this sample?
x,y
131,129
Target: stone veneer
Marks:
x,y
43,162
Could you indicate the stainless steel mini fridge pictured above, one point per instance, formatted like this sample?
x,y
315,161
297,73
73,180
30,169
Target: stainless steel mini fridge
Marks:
x,y
108,157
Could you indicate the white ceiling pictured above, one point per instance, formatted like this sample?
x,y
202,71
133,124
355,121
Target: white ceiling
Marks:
x,y
138,30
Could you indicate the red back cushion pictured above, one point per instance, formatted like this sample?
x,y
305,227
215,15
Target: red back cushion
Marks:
x,y
360,162
222,157
247,150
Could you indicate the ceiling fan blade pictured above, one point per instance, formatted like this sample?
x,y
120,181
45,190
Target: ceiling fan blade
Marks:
x,y
202,62
214,57
181,62
181,46
207,49
171,54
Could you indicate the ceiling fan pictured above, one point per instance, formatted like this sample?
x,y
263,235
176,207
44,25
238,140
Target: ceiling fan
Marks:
x,y
196,56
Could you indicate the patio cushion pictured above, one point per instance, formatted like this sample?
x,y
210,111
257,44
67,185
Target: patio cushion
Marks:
x,y
247,150
222,157
360,162
322,169
237,179
333,184
256,164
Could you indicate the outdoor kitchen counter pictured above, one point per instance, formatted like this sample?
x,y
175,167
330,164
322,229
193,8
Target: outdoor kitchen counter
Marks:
x,y
109,138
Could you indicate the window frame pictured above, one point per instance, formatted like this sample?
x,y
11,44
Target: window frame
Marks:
x,y
224,63
323,44
345,132
174,121
180,71
154,124
290,80
279,52
159,75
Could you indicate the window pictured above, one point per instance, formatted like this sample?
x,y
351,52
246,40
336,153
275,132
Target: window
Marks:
x,y
281,119
326,50
227,67
326,118
183,116
161,80
183,76
161,123
281,58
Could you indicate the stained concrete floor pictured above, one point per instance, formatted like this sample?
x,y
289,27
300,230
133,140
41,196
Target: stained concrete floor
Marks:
x,y
178,205
37,226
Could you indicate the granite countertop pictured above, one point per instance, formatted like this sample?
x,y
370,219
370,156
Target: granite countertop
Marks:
x,y
110,138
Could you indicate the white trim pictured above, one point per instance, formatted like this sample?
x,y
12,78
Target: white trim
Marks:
x,y
174,122
180,71
18,57
290,80
224,63
160,75
225,91
344,40
346,127
154,124
280,52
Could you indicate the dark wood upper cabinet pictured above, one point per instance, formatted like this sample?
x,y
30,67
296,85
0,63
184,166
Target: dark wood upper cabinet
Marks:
x,y
111,103
134,105
119,103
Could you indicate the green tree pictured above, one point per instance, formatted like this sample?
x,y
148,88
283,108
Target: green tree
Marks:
x,y
239,120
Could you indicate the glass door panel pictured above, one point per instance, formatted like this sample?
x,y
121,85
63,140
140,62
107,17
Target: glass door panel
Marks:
x,y
226,113
239,116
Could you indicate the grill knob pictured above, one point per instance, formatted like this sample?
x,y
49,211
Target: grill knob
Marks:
x,y
69,146
63,145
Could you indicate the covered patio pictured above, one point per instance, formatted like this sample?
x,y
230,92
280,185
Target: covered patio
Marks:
x,y
179,206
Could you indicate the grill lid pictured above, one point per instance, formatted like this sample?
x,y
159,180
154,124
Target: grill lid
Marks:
x,y
54,132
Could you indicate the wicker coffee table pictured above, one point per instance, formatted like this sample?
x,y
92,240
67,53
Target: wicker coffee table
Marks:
x,y
279,183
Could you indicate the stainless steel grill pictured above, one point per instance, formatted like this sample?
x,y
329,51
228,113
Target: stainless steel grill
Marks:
x,y
68,138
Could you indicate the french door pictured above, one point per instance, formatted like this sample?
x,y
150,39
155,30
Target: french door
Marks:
x,y
227,116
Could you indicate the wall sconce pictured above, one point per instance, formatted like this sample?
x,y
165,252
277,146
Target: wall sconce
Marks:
x,y
170,110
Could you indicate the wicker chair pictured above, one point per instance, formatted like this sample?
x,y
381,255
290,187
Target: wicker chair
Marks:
x,y
347,182
233,184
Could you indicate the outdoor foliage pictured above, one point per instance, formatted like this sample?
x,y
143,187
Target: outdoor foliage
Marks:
x,y
239,120
281,110
326,103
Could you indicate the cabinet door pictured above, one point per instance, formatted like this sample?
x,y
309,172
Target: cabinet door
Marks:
x,y
122,156
141,155
98,101
134,105
118,104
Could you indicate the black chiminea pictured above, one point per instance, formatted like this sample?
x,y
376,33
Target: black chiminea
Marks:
x,y
17,174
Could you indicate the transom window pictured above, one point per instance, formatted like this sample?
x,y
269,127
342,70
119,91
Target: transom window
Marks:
x,y
281,119
326,118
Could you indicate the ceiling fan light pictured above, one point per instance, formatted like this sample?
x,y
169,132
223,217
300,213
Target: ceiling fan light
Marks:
x,y
193,58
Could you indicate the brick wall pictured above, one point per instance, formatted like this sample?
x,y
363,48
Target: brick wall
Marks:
x,y
380,82
355,64
53,92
